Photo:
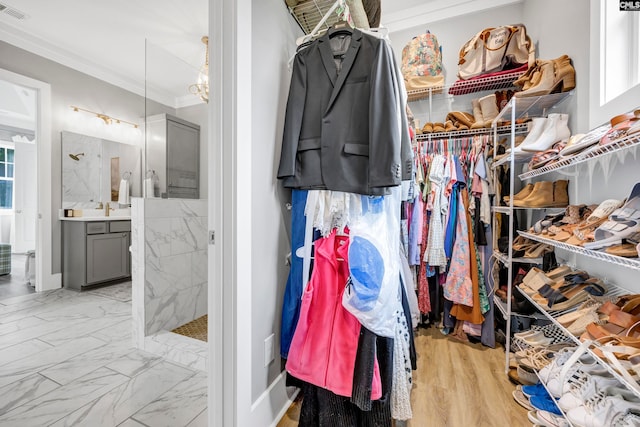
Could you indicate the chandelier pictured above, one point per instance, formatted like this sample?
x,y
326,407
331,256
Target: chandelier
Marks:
x,y
201,88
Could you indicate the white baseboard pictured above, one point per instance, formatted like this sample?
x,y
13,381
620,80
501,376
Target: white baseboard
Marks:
x,y
271,406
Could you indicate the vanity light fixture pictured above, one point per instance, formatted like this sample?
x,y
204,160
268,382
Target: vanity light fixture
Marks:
x,y
108,120
201,88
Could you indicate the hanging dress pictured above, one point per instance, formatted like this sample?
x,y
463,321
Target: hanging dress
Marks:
x,y
435,255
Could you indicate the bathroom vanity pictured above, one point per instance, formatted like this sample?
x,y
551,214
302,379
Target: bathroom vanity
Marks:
x,y
95,251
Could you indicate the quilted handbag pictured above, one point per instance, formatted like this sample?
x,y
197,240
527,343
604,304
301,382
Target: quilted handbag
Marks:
x,y
496,49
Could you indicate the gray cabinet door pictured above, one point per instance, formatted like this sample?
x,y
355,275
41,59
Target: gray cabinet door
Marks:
x,y
183,160
107,257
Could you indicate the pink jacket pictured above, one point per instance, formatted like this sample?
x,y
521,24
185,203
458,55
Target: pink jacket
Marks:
x,y
324,345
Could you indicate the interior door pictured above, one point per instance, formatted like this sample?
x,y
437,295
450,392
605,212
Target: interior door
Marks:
x,y
26,196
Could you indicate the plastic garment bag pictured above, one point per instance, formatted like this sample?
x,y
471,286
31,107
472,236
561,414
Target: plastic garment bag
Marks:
x,y
372,289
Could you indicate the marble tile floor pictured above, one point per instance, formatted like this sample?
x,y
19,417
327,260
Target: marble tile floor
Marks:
x,y
67,359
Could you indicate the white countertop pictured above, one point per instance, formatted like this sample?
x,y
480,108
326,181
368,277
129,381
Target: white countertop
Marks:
x,y
96,218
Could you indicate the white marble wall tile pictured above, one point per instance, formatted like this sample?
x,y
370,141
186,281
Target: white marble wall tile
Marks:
x,y
199,267
122,402
167,275
175,208
174,309
134,362
200,421
27,322
23,391
177,406
157,235
42,360
47,409
188,235
19,351
78,366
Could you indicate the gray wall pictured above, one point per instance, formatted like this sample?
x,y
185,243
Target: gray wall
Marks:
x,y
272,46
70,87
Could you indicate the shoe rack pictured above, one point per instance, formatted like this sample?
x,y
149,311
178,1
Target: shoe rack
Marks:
x,y
593,154
440,95
516,108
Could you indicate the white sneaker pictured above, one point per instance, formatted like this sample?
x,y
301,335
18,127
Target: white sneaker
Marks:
x,y
585,386
559,385
627,419
604,407
548,419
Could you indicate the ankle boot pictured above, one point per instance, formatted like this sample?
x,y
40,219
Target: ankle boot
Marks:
x,y
538,124
449,127
438,127
563,67
556,129
522,194
555,77
561,192
477,115
489,109
541,196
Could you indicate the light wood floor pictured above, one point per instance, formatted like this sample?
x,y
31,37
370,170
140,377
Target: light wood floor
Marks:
x,y
456,385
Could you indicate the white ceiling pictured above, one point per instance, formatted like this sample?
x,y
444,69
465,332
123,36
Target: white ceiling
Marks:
x,y
106,39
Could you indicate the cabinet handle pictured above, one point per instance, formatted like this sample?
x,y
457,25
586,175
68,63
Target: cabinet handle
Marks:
x,y
124,234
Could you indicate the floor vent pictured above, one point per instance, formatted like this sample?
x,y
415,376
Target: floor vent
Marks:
x,y
13,12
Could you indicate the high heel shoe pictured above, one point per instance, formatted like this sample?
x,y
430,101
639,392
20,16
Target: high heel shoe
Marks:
x,y
557,75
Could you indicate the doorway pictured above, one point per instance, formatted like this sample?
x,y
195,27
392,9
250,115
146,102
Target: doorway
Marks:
x,y
27,166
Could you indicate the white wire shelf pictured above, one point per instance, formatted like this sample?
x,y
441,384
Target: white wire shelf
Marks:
x,y
633,263
596,152
309,13
501,306
612,293
507,210
464,87
507,159
504,259
502,131
531,106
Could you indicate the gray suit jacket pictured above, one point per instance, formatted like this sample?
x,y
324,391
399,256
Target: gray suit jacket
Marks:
x,y
345,130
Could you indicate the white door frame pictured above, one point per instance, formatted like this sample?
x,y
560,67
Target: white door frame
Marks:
x,y
230,24
45,279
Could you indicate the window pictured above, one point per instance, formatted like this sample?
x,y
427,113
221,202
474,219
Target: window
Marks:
x,y
6,177
619,51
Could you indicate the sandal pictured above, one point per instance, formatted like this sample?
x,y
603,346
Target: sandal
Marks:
x,y
626,250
